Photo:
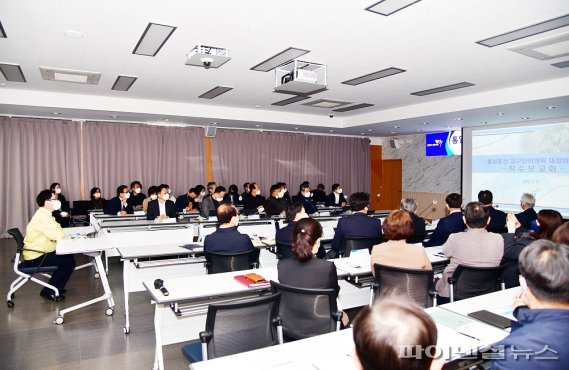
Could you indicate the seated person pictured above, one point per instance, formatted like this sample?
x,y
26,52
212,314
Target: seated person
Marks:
x,y
305,198
62,214
453,223
226,239
419,227
136,196
527,202
294,212
359,224
561,234
172,197
476,247
397,227
275,204
211,187
254,200
161,208
152,195
497,218
319,195
233,195
119,204
245,191
336,197
381,332
40,241
286,194
97,202
303,270
542,326
211,202
187,202
518,238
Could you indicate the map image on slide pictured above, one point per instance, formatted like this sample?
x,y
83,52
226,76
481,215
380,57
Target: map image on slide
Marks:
x,y
531,159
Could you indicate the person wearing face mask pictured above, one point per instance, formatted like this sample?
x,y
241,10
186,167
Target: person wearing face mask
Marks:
x,y
61,215
98,202
246,191
161,208
136,196
152,195
40,241
286,195
119,204
305,198
233,195
336,197
211,202
187,202
226,239
170,195
319,195
255,201
275,204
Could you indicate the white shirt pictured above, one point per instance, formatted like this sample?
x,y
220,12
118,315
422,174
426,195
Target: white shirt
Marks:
x,y
336,198
162,207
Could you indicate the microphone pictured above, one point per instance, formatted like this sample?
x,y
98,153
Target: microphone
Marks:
x,y
429,206
159,284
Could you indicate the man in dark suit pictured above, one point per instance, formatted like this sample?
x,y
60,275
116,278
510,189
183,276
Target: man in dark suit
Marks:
x,y
336,197
528,215
226,239
254,201
305,198
162,207
136,196
497,218
119,204
294,212
453,223
275,204
187,202
419,228
359,224
319,195
286,195
211,202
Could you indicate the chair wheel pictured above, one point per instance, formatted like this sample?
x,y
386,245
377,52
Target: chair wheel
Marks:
x,y
97,275
58,299
126,330
59,320
109,312
10,304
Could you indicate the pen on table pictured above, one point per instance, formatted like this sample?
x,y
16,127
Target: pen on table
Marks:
x,y
469,336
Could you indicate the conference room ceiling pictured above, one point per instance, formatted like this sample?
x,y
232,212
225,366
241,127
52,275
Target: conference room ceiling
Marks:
x,y
427,45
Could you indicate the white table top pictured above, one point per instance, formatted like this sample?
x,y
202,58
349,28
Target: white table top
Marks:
x,y
500,302
156,250
82,245
73,232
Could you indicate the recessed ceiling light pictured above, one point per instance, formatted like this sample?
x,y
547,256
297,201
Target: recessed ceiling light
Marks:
x,y
392,132
55,113
12,72
257,125
165,120
74,34
458,119
374,76
152,39
296,128
388,7
353,107
525,118
215,92
500,113
484,122
564,64
441,89
425,123
2,32
396,126
369,129
362,133
113,116
279,59
288,101
123,83
550,107
449,126
332,130
326,103
214,123
257,106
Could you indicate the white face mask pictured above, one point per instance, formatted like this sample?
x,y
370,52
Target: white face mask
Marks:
x,y
97,195
307,195
56,204
154,197
219,199
281,194
258,192
138,190
169,191
58,191
127,195
202,193
339,191
165,196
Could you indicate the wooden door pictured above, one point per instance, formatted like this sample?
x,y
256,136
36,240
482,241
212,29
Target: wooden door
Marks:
x,y
391,184
375,176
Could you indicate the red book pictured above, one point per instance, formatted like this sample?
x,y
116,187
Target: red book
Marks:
x,y
251,284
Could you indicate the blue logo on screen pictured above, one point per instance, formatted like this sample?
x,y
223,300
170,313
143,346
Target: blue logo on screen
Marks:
x,y
444,143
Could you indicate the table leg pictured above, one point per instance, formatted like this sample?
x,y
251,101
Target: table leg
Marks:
x,y
158,355
125,267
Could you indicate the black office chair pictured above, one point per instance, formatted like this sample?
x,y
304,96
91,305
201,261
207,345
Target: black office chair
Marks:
x,y
350,243
284,250
79,212
467,282
223,262
417,285
25,274
238,327
307,312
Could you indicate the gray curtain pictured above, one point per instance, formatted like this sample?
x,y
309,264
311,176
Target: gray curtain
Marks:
x,y
35,153
116,154
267,157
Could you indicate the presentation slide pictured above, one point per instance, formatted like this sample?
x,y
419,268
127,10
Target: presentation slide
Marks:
x,y
511,161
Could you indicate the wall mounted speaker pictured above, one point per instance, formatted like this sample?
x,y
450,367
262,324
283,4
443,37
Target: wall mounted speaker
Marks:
x,y
394,143
210,131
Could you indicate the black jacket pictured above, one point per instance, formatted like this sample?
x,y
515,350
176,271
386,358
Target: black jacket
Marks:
x,y
153,209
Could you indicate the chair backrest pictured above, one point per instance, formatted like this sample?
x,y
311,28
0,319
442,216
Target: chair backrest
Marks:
x,y
307,312
242,326
220,262
474,281
350,243
284,250
17,234
80,207
414,284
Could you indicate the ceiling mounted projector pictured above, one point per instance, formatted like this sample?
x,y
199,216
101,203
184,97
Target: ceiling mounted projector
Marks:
x,y
208,56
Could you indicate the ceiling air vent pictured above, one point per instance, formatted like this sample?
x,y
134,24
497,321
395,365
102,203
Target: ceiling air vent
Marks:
x,y
68,75
545,49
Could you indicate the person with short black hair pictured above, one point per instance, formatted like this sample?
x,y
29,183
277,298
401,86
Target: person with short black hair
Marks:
x,y
305,198
397,227
476,247
97,201
212,201
151,195
61,215
211,187
232,195
293,213
390,327
419,227
359,224
497,218
303,270
275,205
226,239
336,197
254,200
42,233
319,195
119,204
543,313
201,193
453,223
528,216
186,202
136,195
161,208
286,195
